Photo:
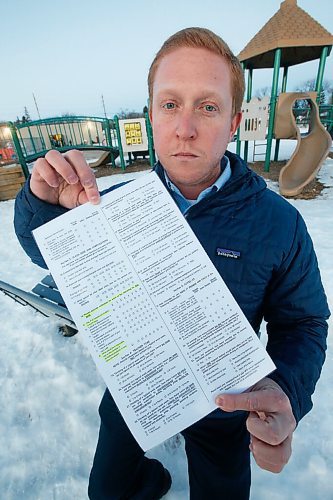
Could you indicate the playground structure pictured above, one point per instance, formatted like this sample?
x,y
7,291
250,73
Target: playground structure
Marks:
x,y
33,139
291,37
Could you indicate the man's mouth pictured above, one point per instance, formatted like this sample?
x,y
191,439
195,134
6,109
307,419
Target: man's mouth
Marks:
x,y
184,154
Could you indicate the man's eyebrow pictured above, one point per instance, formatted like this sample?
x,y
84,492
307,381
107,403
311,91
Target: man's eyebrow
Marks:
x,y
167,91
210,95
205,96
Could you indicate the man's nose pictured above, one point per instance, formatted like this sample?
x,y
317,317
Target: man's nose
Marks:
x,y
186,125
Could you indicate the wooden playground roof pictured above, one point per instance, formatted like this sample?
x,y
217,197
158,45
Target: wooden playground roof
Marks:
x,y
291,29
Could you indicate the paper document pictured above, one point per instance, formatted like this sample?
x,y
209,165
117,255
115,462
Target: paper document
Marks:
x,y
162,327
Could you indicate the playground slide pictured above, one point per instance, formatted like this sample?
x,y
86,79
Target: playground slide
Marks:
x,y
102,160
311,149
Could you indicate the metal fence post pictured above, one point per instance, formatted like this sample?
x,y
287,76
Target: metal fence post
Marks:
x,y
152,157
109,140
120,147
277,60
283,89
18,149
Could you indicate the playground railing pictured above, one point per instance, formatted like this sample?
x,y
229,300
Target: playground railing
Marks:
x,y
326,116
34,139
302,115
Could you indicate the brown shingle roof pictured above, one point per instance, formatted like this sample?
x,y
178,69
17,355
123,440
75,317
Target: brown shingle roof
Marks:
x,y
300,37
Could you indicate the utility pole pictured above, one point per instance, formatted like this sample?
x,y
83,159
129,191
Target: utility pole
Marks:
x,y
103,103
33,95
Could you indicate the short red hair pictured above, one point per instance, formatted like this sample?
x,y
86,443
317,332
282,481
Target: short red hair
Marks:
x,y
205,39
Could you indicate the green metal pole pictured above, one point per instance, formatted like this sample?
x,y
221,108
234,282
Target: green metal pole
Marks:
x,y
248,99
97,134
18,149
320,75
62,134
79,124
277,60
22,141
32,140
56,129
49,133
238,143
70,133
75,138
120,147
66,130
62,127
41,137
109,139
152,157
89,133
283,89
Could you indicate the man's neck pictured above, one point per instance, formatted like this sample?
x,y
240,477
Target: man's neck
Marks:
x,y
191,192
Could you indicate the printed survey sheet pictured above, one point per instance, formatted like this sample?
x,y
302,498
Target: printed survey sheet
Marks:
x,y
162,327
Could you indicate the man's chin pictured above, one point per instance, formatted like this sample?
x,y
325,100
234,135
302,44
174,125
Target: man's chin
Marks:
x,y
186,178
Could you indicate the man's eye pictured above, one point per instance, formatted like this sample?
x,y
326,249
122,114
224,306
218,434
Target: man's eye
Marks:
x,y
169,105
209,107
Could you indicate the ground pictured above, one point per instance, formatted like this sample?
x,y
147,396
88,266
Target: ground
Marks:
x,y
50,386
312,190
137,166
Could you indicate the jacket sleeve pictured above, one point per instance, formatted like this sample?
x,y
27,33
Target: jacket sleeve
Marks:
x,y
30,213
296,311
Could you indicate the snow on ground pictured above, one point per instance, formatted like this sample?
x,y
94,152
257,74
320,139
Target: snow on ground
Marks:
x,y
50,390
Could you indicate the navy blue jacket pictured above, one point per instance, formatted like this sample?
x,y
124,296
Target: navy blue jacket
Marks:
x,y
275,275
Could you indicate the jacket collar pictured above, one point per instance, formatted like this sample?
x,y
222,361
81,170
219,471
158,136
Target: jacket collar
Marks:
x,y
243,183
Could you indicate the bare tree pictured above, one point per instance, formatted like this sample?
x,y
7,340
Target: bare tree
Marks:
x,y
26,115
125,113
310,86
263,92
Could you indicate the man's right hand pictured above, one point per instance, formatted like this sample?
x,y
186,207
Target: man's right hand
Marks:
x,y
64,179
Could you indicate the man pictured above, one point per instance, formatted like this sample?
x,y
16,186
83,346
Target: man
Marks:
x,y
196,88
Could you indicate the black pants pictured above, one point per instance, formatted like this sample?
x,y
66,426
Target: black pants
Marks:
x,y
217,452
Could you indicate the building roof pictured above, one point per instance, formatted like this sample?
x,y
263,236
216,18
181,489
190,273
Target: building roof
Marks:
x,y
291,29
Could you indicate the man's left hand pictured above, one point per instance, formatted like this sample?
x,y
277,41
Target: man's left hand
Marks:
x,y
270,423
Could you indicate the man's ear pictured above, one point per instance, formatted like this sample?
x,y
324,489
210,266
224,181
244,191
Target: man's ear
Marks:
x,y
150,114
235,124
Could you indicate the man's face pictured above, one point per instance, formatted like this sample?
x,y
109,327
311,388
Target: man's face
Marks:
x,y
191,117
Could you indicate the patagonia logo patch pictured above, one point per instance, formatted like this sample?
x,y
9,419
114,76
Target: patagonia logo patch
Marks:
x,y
231,254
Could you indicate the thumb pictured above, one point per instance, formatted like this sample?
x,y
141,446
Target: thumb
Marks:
x,y
268,400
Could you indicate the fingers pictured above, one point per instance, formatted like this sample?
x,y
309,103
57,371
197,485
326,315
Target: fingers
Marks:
x,y
271,458
70,169
45,181
270,423
62,167
269,399
273,428
45,172
84,174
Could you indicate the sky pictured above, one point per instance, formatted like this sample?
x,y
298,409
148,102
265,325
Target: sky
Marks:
x,y
70,52
50,388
